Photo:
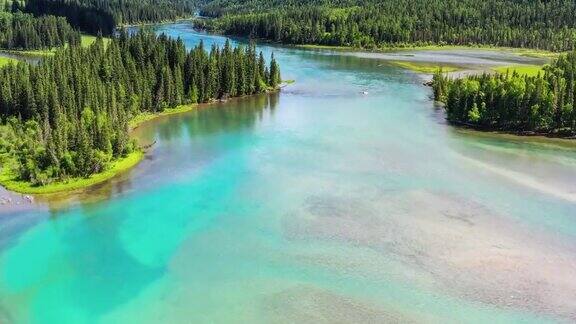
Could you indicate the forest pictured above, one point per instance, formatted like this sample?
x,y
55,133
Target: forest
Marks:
x,y
25,32
68,115
369,24
514,102
97,16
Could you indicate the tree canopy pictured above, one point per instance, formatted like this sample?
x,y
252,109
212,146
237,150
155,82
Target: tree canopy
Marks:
x,y
25,32
68,115
539,24
102,16
514,102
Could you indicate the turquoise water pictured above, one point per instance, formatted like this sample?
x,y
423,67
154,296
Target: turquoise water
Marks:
x,y
319,204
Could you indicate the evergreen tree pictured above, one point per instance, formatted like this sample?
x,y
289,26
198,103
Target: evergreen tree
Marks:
x,y
68,115
512,101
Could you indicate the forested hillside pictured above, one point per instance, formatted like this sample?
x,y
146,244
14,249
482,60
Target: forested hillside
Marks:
x,y
513,102
539,24
23,31
68,115
94,16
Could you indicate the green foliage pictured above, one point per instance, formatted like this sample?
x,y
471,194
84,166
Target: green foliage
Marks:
x,y
102,16
424,67
68,116
10,181
512,101
372,23
25,32
530,70
7,60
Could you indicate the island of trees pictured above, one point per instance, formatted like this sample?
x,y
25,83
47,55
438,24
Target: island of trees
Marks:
x,y
67,116
542,104
549,25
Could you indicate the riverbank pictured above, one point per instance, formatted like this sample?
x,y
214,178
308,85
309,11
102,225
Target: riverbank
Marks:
x,y
425,67
8,179
529,52
167,21
554,134
455,61
520,51
508,113
147,116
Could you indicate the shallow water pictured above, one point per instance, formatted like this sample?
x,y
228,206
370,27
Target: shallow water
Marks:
x,y
318,204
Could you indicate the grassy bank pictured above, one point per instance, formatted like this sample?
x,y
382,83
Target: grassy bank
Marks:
x,y
530,70
327,47
8,178
520,51
406,47
87,40
7,60
424,67
144,117
9,181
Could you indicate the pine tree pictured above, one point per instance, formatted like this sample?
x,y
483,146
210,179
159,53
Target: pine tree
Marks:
x,y
275,78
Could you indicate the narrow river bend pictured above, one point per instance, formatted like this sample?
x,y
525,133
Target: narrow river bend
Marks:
x,y
320,204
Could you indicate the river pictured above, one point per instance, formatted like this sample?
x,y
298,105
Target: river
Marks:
x,y
344,198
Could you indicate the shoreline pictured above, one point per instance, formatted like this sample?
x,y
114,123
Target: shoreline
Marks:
x,y
144,24
117,167
8,182
519,134
523,51
387,49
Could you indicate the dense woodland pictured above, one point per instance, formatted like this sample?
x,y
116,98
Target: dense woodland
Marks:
x,y
372,23
513,102
102,16
21,31
68,115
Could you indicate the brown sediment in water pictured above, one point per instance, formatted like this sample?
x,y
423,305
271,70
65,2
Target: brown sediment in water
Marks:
x,y
451,244
310,304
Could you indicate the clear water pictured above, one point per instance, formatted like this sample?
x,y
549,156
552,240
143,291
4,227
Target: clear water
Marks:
x,y
319,205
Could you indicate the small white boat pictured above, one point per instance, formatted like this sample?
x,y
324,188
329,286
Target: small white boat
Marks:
x,y
364,92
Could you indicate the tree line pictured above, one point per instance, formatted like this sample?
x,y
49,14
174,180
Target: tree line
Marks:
x,y
549,24
24,32
68,115
514,102
102,16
